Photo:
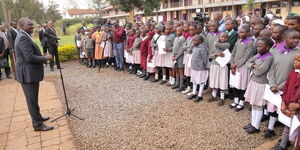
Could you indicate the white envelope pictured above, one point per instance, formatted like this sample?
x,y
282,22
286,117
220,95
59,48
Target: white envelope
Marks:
x,y
234,80
275,99
223,61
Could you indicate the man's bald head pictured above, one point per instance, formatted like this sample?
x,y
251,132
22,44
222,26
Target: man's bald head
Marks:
x,y
26,25
218,16
24,21
50,24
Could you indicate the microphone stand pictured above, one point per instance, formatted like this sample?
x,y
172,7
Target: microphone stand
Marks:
x,y
69,110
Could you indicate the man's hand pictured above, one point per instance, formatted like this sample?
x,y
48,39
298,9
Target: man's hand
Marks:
x,y
233,71
274,89
48,56
233,66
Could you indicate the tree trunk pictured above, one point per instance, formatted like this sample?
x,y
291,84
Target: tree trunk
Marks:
x,y
131,16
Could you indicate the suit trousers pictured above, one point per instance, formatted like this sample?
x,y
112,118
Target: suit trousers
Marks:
x,y
31,92
45,49
54,52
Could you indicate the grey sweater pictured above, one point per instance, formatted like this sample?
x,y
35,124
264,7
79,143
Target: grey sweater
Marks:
x,y
260,75
187,47
218,47
199,57
178,43
281,66
210,40
170,41
89,43
137,43
242,52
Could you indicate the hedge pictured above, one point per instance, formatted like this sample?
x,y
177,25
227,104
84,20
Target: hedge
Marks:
x,y
67,52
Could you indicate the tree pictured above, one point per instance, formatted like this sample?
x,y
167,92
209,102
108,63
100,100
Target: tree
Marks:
x,y
148,6
52,13
99,4
250,5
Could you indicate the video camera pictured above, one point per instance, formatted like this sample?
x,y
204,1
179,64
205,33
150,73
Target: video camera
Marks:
x,y
201,18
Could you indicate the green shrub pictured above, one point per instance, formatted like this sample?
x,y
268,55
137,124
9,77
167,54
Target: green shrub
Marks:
x,y
67,52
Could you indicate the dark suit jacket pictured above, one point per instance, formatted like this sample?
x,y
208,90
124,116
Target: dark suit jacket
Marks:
x,y
2,46
12,36
29,61
50,37
42,37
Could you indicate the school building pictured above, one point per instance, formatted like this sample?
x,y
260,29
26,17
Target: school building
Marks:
x,y
186,9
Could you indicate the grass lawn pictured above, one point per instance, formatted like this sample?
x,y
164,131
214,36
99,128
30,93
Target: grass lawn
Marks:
x,y
65,39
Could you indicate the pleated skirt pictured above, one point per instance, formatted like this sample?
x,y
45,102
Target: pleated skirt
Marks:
x,y
244,77
108,50
218,77
168,60
159,59
129,58
199,77
186,59
136,57
255,93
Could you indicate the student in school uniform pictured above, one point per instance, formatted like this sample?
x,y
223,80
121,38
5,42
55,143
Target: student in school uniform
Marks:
x,y
150,69
129,42
291,95
259,65
277,35
144,52
282,64
186,50
136,53
186,32
97,37
178,60
232,34
242,51
218,76
168,56
210,39
159,59
90,49
108,50
199,73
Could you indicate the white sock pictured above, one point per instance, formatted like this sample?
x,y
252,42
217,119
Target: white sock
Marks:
x,y
272,122
194,88
130,67
266,112
253,113
156,76
241,103
258,116
222,95
173,81
214,93
201,90
236,100
164,77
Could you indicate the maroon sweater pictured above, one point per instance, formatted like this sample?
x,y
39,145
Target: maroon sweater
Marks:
x,y
291,91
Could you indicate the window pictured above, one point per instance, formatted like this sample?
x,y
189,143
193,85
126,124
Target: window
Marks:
x,y
200,2
296,3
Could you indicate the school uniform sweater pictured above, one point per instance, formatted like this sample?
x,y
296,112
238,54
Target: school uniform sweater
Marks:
x,y
291,91
264,61
187,47
242,51
199,57
233,36
178,43
210,40
170,41
218,47
137,44
282,64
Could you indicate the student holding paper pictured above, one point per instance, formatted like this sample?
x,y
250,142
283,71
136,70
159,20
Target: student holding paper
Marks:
x,y
136,53
282,64
199,62
242,51
218,76
291,95
259,65
159,59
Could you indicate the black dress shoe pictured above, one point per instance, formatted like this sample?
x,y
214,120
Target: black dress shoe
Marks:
x,y
45,118
175,86
192,96
116,68
252,130
198,99
269,133
247,126
146,78
59,67
162,82
221,102
180,89
43,127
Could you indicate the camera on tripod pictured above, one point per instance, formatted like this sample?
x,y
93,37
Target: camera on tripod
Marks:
x,y
201,18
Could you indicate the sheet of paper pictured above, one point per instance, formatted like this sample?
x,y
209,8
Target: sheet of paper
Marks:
x,y
234,80
283,118
78,43
150,64
190,61
161,44
275,99
294,127
223,61
82,55
125,54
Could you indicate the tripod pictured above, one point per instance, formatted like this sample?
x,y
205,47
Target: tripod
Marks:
x,y
69,111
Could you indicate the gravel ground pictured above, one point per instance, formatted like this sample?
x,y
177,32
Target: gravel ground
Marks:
x,y
122,111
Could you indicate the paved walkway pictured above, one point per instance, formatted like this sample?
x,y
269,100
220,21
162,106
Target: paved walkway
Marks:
x,y
16,132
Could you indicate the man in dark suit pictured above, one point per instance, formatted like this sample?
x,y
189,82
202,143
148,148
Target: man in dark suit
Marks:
x,y
12,33
43,40
30,71
52,43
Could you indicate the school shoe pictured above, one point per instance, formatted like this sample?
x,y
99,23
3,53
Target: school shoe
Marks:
x,y
239,108
154,80
192,96
188,94
278,147
168,84
163,82
247,126
176,86
252,130
211,99
180,89
188,89
44,118
269,133
221,102
233,105
198,99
